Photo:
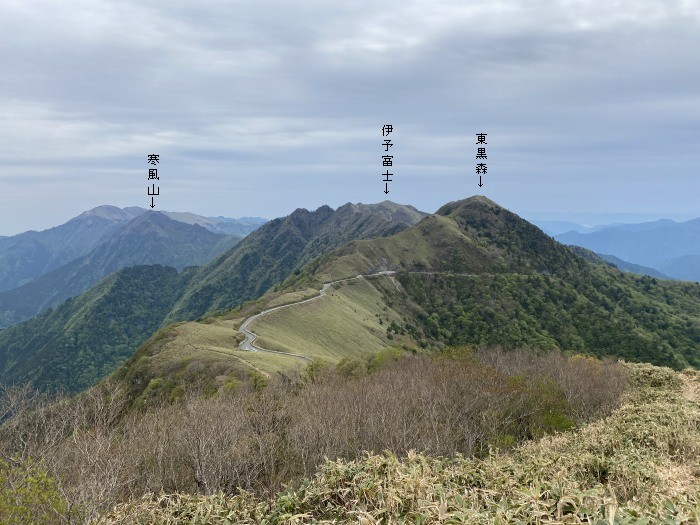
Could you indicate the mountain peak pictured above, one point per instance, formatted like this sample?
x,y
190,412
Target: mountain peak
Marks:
x,y
320,210
473,235
112,213
400,213
468,203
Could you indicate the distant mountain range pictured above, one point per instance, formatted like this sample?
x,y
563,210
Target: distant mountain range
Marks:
x,y
239,227
149,238
669,247
82,339
471,273
631,267
558,227
28,255
46,265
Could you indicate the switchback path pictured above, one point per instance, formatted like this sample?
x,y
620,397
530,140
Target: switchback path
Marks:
x,y
250,337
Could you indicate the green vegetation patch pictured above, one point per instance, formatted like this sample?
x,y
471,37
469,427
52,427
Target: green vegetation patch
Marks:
x,y
29,495
601,311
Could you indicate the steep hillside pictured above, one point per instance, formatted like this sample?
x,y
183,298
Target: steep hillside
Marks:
x,y
349,322
269,255
28,255
277,249
475,273
150,238
85,338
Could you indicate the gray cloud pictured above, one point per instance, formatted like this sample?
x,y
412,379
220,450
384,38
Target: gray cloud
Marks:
x,y
259,107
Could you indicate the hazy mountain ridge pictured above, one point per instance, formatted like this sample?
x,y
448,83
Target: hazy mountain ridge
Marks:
x,y
626,266
176,239
150,238
28,255
686,267
552,227
239,227
670,247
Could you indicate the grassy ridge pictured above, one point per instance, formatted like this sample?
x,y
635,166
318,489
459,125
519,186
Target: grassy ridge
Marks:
x,y
639,465
205,352
349,322
475,273
343,324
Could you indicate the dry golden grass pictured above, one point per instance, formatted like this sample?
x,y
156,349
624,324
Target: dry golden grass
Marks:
x,y
691,385
292,297
216,341
344,323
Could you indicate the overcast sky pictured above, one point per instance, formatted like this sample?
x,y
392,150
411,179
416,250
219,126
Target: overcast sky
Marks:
x,y
260,107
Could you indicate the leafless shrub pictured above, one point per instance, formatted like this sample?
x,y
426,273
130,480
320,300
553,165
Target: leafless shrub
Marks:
x,y
591,387
257,439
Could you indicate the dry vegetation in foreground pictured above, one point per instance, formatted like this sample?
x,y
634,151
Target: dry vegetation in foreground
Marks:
x,y
639,465
225,459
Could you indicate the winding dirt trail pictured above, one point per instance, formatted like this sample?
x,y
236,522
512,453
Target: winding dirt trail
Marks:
x,y
250,336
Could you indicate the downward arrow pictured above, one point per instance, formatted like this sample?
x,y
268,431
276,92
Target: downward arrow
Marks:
x,y
386,187
152,205
480,183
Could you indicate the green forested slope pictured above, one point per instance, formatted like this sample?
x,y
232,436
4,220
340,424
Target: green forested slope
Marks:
x,y
270,254
85,338
150,238
601,312
476,273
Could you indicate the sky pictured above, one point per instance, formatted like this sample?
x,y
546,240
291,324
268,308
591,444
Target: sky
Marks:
x,y
260,107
